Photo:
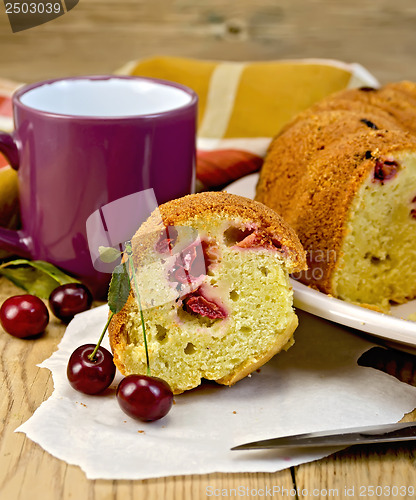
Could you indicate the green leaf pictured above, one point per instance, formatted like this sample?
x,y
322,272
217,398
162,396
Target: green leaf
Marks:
x,y
108,254
119,289
53,272
36,277
32,280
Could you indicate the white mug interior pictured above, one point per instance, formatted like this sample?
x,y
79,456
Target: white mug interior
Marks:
x,y
109,97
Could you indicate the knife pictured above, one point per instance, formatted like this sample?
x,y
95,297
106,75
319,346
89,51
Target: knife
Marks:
x,y
404,431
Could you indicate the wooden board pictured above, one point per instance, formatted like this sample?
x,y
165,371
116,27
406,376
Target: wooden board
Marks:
x,y
27,472
98,36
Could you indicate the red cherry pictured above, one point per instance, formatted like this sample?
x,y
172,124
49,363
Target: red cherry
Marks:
x,y
67,300
90,376
24,316
144,398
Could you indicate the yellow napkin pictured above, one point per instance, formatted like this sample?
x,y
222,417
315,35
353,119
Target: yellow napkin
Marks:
x,y
238,99
242,105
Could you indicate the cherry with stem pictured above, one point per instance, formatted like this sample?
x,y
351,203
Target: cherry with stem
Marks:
x,y
92,355
143,397
91,369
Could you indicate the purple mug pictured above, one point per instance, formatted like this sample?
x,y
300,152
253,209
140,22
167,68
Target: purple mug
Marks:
x,y
81,143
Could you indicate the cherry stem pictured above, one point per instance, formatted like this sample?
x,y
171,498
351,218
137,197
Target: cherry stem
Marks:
x,y
137,293
94,352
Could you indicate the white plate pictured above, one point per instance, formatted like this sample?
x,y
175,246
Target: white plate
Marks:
x,y
393,328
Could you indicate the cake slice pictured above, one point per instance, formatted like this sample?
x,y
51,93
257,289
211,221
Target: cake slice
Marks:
x,y
213,272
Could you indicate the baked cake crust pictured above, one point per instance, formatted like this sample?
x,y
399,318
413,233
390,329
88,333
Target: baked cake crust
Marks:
x,y
317,164
270,226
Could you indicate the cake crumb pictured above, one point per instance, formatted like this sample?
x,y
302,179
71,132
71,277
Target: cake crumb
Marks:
x,y
412,317
235,413
140,432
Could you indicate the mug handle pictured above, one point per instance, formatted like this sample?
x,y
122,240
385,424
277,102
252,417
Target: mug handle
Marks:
x,y
11,240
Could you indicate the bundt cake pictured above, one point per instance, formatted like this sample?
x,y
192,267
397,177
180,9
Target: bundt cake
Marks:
x,y
213,277
343,175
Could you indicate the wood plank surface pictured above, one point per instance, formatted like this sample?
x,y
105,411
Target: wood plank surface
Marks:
x,y
360,470
99,36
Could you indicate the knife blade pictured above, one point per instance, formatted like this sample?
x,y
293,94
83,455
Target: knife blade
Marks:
x,y
403,431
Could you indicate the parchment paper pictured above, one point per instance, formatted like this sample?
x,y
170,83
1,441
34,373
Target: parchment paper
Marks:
x,y
316,385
